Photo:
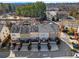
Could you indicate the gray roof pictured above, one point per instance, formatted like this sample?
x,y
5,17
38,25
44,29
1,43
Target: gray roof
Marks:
x,y
23,28
15,29
45,28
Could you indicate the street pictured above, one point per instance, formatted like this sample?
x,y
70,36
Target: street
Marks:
x,y
64,51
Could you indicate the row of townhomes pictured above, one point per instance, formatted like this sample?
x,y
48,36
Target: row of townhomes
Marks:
x,y
27,29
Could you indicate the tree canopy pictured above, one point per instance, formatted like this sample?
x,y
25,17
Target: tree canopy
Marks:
x,y
7,7
33,10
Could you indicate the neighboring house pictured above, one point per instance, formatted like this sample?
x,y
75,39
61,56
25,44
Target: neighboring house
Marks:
x,y
62,14
4,33
56,15
24,31
51,14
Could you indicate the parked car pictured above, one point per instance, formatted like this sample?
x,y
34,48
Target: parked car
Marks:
x,y
14,45
48,45
27,41
30,46
20,46
76,55
34,40
39,46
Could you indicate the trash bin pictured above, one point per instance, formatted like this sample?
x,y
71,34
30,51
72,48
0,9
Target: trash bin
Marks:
x,y
30,46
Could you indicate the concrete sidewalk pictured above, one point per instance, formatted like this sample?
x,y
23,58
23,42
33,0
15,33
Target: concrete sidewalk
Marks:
x,y
64,37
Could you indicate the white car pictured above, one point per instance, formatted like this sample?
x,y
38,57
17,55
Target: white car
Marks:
x,y
76,55
50,23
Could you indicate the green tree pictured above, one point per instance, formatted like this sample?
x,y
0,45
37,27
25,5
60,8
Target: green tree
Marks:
x,y
37,9
7,7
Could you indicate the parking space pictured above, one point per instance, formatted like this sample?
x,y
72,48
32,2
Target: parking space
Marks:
x,y
34,47
64,50
54,47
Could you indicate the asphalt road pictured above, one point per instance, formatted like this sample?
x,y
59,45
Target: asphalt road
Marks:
x,y
4,54
64,51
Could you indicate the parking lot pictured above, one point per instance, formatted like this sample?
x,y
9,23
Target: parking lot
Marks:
x,y
64,51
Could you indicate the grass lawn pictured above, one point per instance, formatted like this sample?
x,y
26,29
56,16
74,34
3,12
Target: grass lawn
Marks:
x,y
25,35
4,50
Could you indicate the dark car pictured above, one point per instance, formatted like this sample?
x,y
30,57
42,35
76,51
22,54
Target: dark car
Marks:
x,y
39,46
49,46
34,40
27,41
20,46
30,46
14,45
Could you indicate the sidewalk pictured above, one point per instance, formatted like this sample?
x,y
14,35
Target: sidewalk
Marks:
x,y
64,37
